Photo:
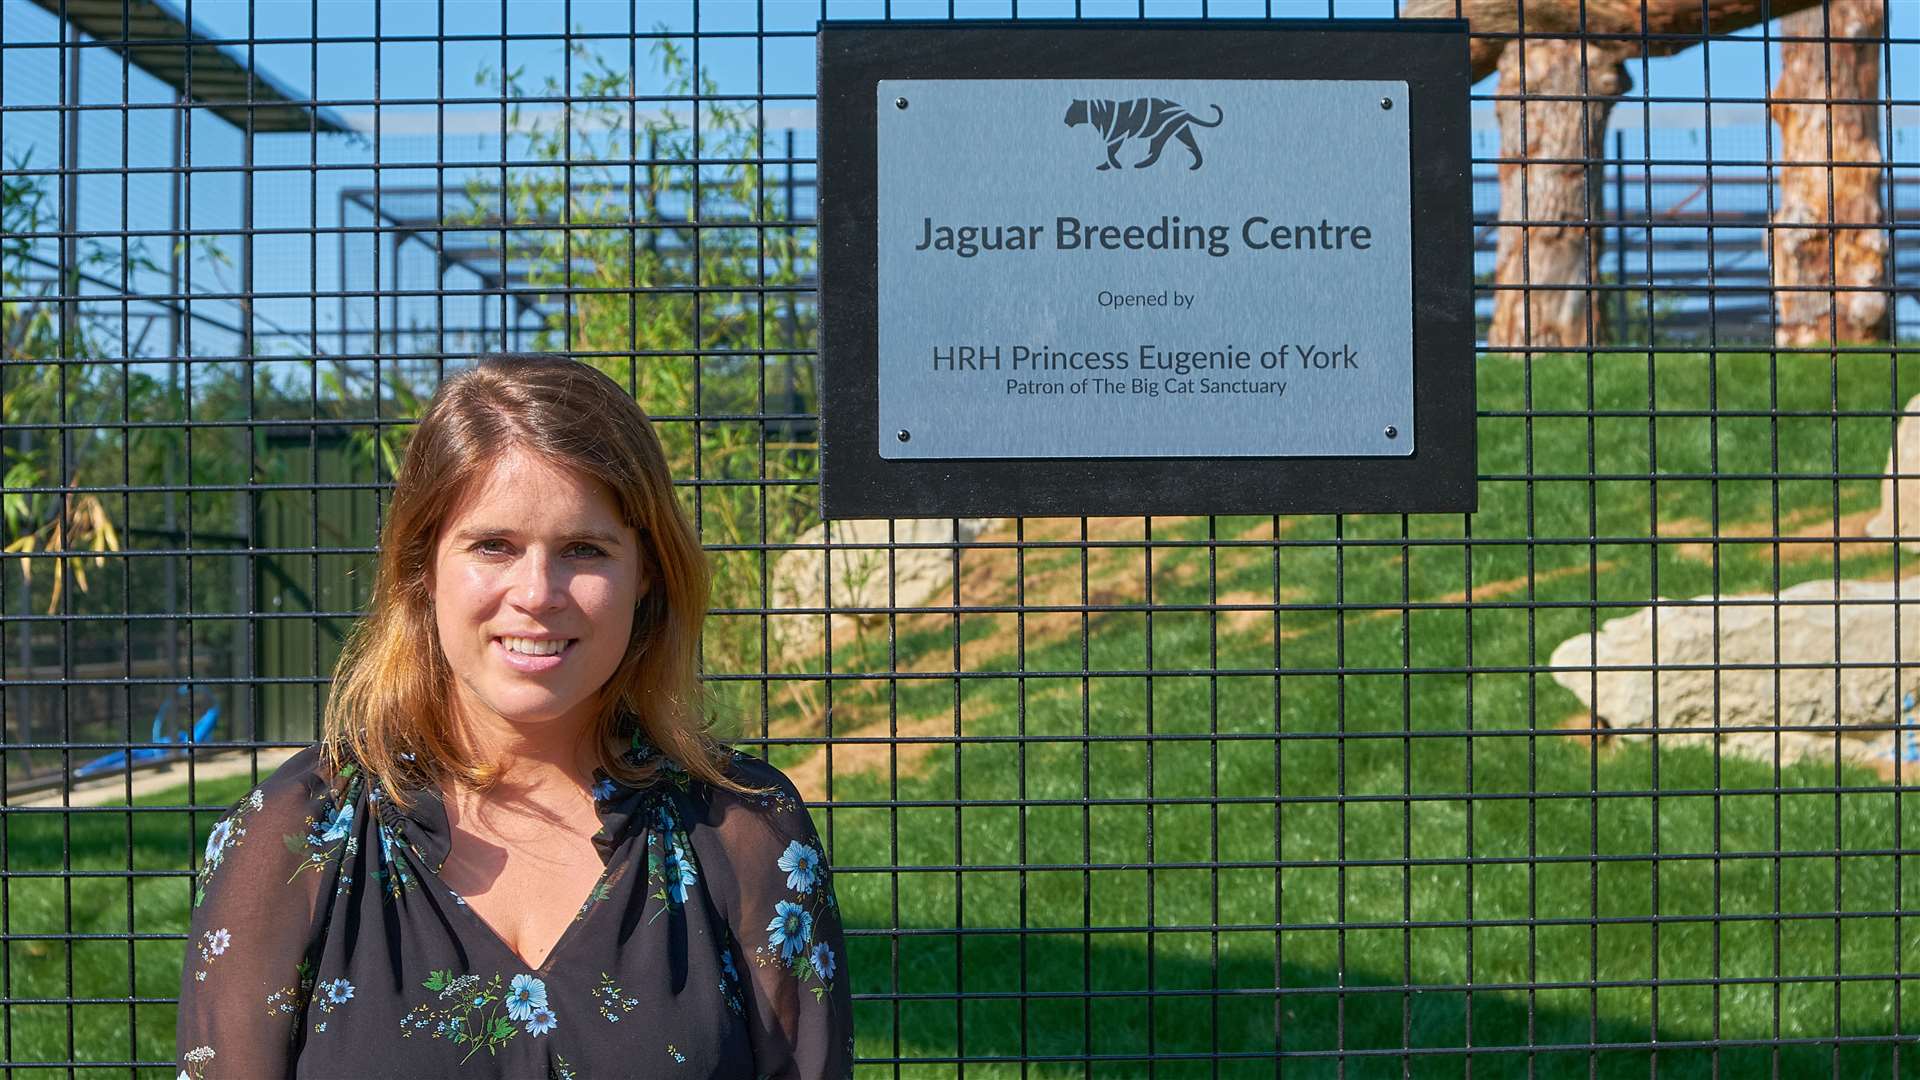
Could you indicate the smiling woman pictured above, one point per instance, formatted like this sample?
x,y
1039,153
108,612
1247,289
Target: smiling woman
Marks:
x,y
518,829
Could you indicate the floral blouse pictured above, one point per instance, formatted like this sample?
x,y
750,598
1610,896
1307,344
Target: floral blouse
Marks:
x,y
323,943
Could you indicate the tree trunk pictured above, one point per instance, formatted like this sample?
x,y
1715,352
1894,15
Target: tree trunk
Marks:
x,y
1670,25
1556,260
1814,247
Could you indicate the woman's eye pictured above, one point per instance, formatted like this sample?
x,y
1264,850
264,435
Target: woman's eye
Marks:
x,y
500,547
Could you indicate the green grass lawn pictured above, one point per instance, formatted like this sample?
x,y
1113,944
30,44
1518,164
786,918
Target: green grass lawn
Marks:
x,y
1098,836
77,875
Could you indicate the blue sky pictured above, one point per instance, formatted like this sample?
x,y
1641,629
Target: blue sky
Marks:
x,y
410,67
1727,69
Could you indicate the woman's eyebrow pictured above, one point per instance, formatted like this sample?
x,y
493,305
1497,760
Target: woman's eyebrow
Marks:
x,y
485,532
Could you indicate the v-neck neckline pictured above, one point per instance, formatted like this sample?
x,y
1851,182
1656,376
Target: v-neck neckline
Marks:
x,y
621,808
585,911
604,845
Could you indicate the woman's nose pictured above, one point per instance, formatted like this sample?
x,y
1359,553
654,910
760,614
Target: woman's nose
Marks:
x,y
540,584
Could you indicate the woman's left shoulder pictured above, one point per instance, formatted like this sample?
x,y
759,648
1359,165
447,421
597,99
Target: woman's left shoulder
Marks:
x,y
765,798
759,844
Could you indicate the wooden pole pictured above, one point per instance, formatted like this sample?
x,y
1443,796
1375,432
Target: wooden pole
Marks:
x,y
1583,52
1569,86
1829,225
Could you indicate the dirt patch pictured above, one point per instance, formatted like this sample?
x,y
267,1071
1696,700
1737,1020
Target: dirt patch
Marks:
x,y
810,775
1583,728
1264,530
1884,765
1052,578
1682,526
1493,590
1242,622
1808,524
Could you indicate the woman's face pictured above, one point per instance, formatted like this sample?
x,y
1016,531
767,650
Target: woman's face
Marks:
x,y
535,581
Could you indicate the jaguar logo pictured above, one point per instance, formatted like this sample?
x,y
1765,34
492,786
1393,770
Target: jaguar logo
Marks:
x,y
1154,120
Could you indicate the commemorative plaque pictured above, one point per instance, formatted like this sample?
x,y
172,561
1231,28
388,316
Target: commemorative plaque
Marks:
x,y
1071,269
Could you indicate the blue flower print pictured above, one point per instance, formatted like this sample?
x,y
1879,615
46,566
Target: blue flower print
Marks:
x,y
679,874
613,1001
664,820
330,995
217,842
822,960
802,864
730,980
540,1021
468,1012
525,995
332,828
392,873
227,833
603,789
790,929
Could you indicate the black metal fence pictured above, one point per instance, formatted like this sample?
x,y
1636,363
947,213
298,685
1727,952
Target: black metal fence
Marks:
x,y
1606,778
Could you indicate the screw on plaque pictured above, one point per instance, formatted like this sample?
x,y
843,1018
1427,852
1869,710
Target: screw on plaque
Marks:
x,y
899,103
1385,103
1392,432
903,435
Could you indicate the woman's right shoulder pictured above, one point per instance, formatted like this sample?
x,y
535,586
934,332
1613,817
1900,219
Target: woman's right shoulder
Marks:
x,y
301,780
304,788
294,810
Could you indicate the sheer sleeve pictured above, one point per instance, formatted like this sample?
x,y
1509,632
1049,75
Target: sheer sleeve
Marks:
x,y
248,968
767,872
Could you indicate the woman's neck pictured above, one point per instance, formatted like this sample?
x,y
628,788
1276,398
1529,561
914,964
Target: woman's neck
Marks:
x,y
527,758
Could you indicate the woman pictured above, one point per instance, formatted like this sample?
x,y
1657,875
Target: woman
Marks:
x,y
517,852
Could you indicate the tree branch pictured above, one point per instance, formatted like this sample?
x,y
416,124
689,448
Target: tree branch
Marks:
x,y
1691,20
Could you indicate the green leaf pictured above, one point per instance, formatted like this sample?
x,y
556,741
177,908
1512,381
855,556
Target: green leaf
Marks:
x,y
438,980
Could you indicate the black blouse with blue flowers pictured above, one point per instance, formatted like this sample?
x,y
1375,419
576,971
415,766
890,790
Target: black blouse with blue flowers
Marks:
x,y
323,943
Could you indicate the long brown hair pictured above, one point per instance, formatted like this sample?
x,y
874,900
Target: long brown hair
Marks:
x,y
390,710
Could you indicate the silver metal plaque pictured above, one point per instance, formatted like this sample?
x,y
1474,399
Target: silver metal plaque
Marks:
x,y
1091,268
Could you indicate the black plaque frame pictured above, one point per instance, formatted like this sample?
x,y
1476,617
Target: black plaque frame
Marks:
x,y
1429,55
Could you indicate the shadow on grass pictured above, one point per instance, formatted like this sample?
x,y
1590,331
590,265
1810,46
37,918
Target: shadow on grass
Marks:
x,y
1093,1005
1114,1028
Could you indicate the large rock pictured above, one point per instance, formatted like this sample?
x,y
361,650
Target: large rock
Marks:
x,y
1793,680
860,575
1905,492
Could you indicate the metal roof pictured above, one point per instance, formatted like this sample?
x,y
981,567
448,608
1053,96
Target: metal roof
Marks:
x,y
160,40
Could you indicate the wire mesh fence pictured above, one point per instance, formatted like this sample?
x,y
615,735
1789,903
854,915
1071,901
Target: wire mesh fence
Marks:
x,y
1605,778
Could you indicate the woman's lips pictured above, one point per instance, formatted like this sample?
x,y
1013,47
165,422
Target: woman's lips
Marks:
x,y
532,665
